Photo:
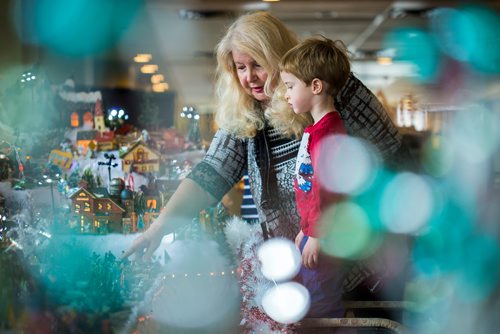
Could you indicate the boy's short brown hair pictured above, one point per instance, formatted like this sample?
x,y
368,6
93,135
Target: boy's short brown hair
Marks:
x,y
319,57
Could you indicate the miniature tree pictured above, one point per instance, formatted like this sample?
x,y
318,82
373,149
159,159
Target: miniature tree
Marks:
x,y
88,176
73,178
139,203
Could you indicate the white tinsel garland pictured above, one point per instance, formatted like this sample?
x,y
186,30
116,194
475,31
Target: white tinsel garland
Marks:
x,y
244,240
238,232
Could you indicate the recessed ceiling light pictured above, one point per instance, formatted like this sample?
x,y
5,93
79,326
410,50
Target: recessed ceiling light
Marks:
x,y
160,87
157,78
143,58
384,60
149,69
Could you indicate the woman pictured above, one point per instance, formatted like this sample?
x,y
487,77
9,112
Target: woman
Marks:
x,y
258,138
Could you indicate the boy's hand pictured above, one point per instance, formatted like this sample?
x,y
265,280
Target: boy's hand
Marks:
x,y
310,253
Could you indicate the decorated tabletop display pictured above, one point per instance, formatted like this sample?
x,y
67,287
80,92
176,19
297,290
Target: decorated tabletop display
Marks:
x,y
64,226
71,281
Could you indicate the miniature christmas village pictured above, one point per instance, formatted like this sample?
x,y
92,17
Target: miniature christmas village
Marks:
x,y
62,208
100,182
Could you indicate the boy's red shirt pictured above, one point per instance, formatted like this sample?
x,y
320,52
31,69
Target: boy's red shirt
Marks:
x,y
311,203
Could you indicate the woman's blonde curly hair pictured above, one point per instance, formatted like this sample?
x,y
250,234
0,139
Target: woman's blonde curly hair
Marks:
x,y
266,39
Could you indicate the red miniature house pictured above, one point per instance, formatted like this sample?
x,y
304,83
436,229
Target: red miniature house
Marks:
x,y
93,214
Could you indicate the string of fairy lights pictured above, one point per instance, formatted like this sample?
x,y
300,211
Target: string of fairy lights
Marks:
x,y
199,275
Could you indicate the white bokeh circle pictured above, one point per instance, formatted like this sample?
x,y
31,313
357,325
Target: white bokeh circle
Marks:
x,y
346,164
280,259
287,302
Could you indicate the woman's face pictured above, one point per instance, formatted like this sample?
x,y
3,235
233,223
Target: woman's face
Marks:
x,y
252,76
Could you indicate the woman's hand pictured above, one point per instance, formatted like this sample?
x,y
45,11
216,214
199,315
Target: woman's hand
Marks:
x,y
145,244
310,253
187,202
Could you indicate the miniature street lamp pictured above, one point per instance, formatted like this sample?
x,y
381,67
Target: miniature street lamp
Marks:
x,y
28,79
51,184
110,158
116,117
194,131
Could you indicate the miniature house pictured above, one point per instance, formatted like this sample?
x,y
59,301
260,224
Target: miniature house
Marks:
x,y
100,211
105,141
140,158
84,138
97,212
104,138
99,117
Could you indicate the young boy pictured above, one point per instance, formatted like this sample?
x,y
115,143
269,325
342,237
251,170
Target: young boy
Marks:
x,y
313,72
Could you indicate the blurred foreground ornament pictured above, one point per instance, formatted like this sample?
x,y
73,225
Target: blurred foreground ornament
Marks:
x,y
280,259
287,302
199,289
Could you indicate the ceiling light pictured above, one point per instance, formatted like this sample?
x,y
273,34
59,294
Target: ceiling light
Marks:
x,y
385,56
149,68
143,58
160,87
157,78
384,60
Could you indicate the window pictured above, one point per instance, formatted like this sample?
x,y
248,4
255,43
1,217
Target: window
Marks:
x,y
88,119
140,155
75,122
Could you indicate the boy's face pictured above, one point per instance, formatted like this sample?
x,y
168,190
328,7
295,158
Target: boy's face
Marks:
x,y
298,95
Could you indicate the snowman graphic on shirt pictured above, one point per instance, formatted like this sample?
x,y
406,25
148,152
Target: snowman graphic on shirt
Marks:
x,y
303,167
